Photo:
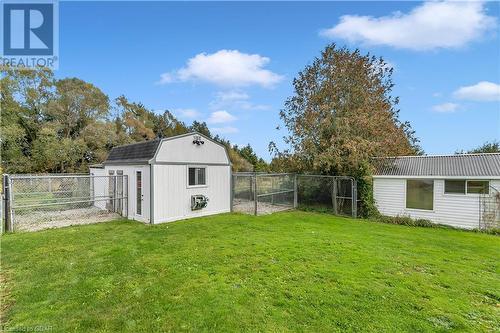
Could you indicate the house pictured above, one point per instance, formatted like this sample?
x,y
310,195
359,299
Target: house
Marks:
x,y
444,189
170,179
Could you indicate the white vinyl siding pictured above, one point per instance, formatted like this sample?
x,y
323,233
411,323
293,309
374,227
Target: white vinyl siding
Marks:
x,y
173,198
456,210
182,150
131,172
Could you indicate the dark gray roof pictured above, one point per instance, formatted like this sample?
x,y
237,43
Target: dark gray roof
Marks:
x,y
136,152
460,165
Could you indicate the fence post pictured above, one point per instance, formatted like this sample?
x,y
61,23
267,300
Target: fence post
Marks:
x,y
255,194
295,191
231,191
6,204
334,196
354,200
126,195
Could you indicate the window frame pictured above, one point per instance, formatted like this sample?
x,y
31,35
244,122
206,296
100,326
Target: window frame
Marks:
x,y
455,193
477,180
196,176
467,193
433,195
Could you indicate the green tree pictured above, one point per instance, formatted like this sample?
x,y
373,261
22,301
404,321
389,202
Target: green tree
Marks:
x,y
202,128
77,104
247,152
24,97
341,114
487,147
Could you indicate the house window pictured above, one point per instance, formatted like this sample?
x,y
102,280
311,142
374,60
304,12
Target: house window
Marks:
x,y
478,186
454,186
197,176
420,194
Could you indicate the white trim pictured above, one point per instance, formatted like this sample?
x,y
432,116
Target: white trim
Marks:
x,y
439,177
197,166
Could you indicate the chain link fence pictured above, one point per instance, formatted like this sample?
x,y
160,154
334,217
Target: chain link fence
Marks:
x,y
35,202
489,210
263,193
259,194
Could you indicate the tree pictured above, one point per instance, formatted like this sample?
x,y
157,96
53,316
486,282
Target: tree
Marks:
x,y
249,154
24,96
76,104
487,147
201,127
342,114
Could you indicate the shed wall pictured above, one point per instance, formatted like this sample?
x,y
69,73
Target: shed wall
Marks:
x,y
182,150
173,196
130,171
456,210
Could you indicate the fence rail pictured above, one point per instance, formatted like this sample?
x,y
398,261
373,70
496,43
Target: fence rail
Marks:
x,y
263,193
33,202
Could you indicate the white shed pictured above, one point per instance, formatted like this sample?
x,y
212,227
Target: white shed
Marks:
x,y
444,189
173,178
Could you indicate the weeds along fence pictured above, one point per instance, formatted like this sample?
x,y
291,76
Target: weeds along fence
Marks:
x,y
263,193
34,202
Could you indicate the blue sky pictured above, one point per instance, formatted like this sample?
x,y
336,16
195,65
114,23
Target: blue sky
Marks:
x,y
232,63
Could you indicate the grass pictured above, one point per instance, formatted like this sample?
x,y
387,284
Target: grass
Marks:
x,y
292,271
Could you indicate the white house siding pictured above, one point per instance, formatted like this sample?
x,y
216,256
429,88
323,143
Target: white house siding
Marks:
x,y
130,171
456,210
182,150
173,196
98,188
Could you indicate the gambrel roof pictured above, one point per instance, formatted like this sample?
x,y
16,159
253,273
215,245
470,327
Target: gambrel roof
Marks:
x,y
458,165
146,152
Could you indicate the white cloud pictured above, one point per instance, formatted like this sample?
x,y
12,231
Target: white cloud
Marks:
x,y
187,113
446,107
225,68
225,130
482,91
432,25
230,96
235,100
219,117
166,78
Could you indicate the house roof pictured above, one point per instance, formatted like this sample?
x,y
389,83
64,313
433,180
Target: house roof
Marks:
x,y
459,165
140,152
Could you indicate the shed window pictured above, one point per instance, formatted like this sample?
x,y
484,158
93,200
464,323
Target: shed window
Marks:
x,y
197,176
420,194
478,186
454,186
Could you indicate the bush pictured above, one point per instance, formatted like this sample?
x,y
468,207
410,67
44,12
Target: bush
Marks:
x,y
405,220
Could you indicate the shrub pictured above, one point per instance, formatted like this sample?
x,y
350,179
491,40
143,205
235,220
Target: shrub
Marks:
x,y
405,220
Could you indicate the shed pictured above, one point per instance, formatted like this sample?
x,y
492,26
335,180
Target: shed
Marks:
x,y
444,189
174,178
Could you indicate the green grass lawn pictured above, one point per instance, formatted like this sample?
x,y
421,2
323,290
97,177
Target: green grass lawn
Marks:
x,y
291,271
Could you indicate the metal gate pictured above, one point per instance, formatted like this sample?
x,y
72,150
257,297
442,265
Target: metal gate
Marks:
x,y
265,193
34,202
